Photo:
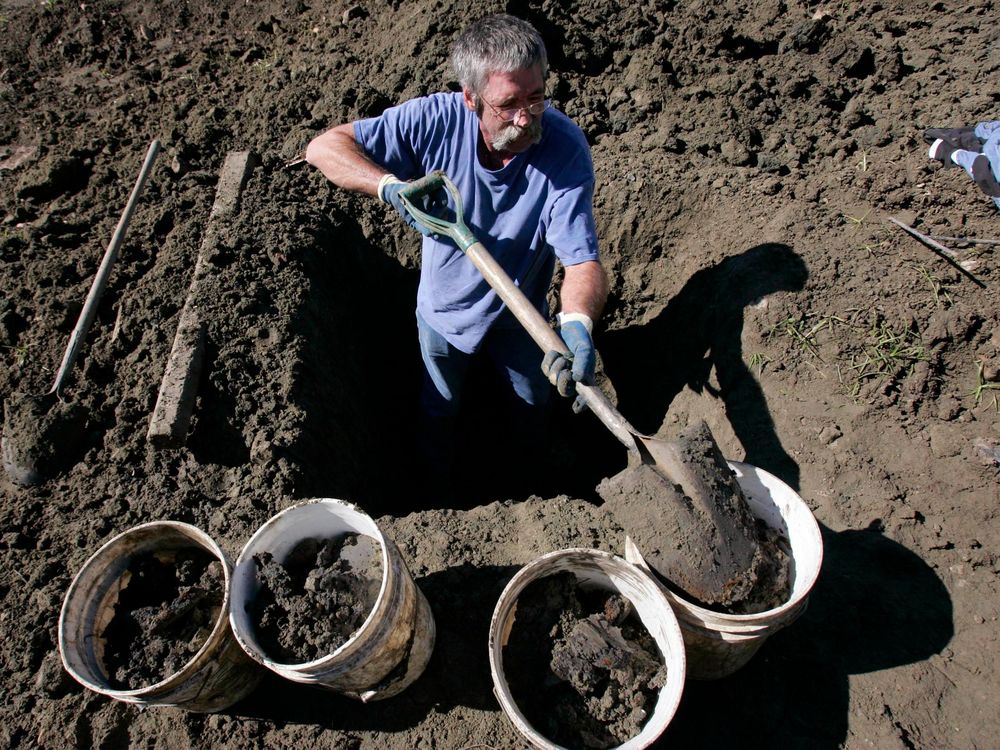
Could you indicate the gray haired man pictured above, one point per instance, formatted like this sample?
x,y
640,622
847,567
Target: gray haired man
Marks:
x,y
525,175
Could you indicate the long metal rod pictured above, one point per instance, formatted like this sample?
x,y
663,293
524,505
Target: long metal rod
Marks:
x,y
944,252
89,310
970,240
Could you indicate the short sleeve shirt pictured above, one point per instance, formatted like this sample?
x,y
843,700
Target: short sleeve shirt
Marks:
x,y
537,207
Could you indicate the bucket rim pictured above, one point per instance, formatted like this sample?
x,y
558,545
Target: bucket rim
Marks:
x,y
192,665
674,657
252,648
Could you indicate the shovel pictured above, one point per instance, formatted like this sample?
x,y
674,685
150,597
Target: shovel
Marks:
x,y
33,425
701,517
641,448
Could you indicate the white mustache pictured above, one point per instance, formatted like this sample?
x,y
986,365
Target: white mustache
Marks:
x,y
511,133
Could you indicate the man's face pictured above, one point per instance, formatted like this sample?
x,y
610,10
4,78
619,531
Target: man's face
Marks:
x,y
505,91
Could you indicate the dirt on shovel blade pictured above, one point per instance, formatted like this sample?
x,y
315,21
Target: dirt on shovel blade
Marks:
x,y
313,602
709,548
164,614
581,666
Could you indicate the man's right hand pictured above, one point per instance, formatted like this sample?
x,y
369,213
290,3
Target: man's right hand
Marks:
x,y
388,190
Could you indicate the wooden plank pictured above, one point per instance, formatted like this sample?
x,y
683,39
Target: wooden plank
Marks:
x,y
168,426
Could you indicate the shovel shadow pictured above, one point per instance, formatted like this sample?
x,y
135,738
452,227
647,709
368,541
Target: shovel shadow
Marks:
x,y
701,329
876,605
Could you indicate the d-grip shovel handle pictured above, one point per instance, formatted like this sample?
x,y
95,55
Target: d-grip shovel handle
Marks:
x,y
526,313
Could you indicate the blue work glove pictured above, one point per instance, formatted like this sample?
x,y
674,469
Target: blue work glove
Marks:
x,y
388,192
565,370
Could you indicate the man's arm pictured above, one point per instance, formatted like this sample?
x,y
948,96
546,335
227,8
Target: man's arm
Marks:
x,y
583,294
584,289
338,156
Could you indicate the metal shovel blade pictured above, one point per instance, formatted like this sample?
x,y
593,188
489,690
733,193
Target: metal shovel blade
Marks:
x,y
40,435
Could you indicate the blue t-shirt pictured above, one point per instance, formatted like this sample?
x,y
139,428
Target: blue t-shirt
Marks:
x,y
535,208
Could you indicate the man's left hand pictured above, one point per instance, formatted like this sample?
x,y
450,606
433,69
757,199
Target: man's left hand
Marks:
x,y
565,370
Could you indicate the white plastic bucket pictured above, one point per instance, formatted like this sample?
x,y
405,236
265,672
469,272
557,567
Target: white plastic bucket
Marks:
x,y
218,676
604,571
393,645
718,644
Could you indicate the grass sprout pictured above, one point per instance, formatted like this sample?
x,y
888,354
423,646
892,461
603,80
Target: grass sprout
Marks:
x,y
856,221
799,331
939,289
20,353
983,385
888,353
757,362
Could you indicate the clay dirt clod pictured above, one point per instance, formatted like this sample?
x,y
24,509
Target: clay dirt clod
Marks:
x,y
312,602
710,547
581,667
164,614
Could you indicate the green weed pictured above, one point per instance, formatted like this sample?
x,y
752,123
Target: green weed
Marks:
x,y
887,354
939,289
799,331
757,362
982,385
871,247
856,221
20,353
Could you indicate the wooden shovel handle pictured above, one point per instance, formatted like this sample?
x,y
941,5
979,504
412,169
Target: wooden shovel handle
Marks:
x,y
89,310
548,340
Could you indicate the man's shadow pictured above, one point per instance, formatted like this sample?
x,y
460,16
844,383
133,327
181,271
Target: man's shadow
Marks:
x,y
699,329
875,606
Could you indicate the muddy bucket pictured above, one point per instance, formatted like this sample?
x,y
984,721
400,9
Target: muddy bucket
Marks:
x,y
392,646
216,677
718,644
604,571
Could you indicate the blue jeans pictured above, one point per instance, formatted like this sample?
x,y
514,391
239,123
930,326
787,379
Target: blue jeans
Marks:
x,y
517,358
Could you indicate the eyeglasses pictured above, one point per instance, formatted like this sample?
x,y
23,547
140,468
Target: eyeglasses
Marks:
x,y
508,114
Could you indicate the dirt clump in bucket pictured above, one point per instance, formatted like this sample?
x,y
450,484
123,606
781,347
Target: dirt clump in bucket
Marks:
x,y
581,666
165,612
710,548
316,599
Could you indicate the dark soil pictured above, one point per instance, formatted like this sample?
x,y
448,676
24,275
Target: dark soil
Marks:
x,y
580,665
701,537
313,601
42,435
748,156
164,614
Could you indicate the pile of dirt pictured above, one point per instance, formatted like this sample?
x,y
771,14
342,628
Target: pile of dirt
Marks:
x,y
165,612
702,539
747,159
310,603
580,665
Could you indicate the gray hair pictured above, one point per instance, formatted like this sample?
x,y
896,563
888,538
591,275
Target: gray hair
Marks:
x,y
496,44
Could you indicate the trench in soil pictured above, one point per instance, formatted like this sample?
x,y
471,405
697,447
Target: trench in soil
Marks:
x,y
358,383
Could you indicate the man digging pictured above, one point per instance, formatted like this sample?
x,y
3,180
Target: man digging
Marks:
x,y
525,176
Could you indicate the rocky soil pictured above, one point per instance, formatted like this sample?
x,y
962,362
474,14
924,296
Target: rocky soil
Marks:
x,y
747,162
